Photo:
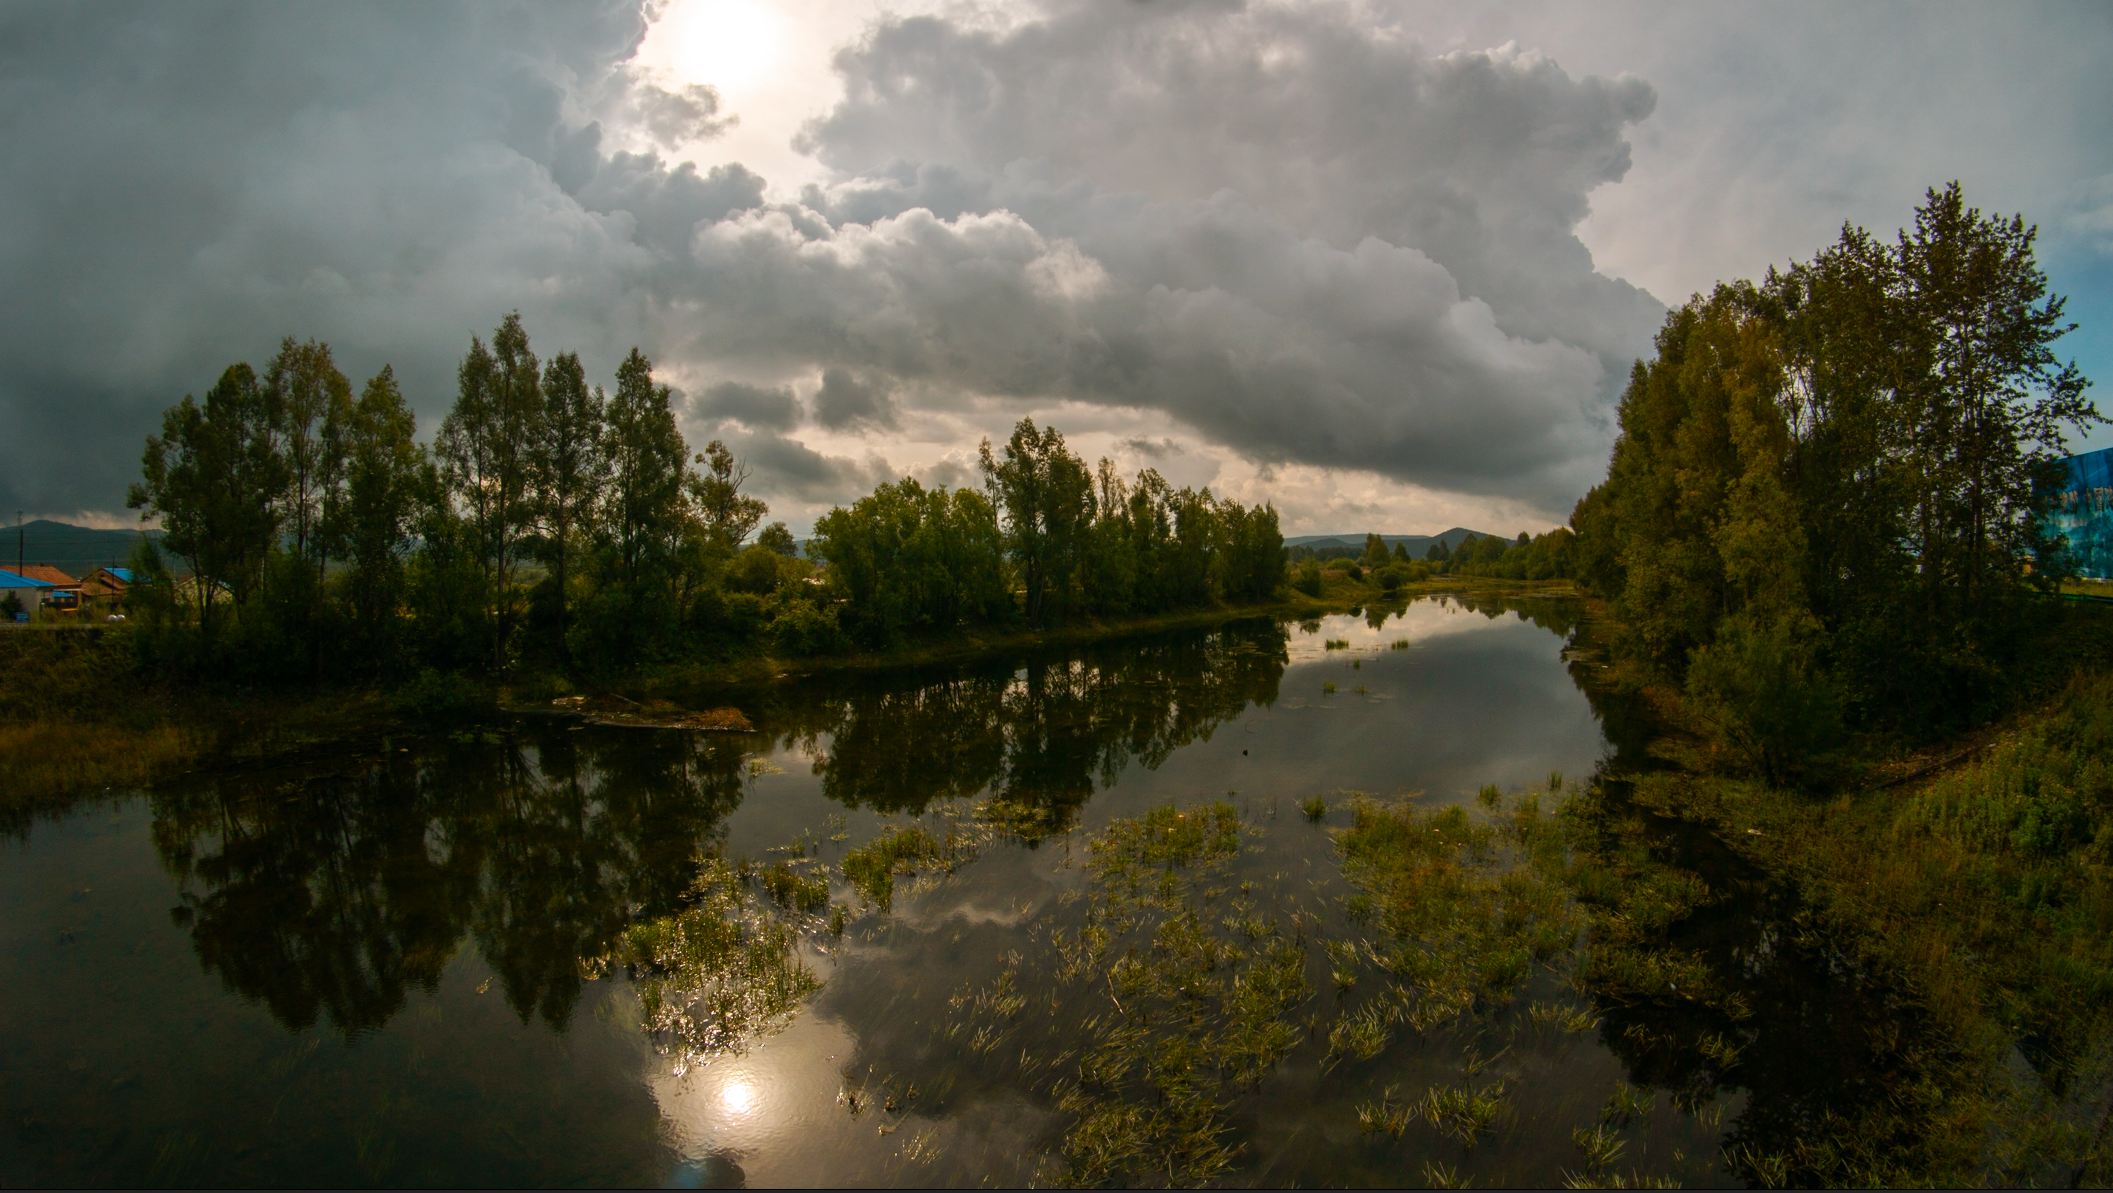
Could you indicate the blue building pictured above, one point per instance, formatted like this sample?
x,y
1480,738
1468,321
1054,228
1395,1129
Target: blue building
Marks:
x,y
2084,513
28,591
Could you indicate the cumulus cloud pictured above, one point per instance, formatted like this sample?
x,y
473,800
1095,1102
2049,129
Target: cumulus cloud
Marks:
x,y
751,405
1291,237
790,469
1303,237
849,401
675,118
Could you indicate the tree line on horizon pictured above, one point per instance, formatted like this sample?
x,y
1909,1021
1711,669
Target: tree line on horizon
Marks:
x,y
557,525
1827,508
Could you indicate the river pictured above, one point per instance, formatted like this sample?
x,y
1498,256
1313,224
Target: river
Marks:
x,y
417,959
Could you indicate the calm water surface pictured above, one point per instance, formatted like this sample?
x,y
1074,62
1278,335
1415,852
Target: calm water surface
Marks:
x,y
368,965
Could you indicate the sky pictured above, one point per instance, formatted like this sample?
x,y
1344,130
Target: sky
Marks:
x,y
1385,264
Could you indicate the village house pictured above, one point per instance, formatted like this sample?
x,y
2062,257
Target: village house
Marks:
x,y
65,590
107,582
29,593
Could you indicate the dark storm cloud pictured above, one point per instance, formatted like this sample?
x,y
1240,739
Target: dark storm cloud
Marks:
x,y
751,405
845,401
789,468
1307,238
1154,449
181,185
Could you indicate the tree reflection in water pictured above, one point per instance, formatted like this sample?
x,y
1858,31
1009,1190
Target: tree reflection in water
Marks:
x,y
329,889
1038,740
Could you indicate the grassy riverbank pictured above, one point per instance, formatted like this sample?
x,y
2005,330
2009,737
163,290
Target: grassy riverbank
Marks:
x,y
1962,887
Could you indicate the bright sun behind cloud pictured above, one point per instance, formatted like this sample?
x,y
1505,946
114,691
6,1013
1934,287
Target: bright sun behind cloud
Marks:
x,y
730,44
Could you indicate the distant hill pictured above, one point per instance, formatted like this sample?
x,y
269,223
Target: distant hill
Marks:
x,y
75,550
1355,543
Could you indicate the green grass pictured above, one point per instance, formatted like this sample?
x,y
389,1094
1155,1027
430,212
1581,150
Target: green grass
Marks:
x,y
871,868
715,976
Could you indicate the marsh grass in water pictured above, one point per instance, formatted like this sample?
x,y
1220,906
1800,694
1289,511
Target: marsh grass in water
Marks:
x,y
871,868
1169,991
1463,911
716,975
1174,994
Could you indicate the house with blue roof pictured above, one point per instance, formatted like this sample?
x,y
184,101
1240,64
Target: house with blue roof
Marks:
x,y
30,592
108,582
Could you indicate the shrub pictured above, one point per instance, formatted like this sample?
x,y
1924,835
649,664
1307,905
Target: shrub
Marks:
x,y
436,693
801,628
1308,580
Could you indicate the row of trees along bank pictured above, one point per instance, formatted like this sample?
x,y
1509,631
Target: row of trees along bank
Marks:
x,y
555,525
1827,505
1529,557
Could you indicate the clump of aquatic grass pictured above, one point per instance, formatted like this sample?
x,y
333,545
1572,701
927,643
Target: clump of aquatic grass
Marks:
x,y
1328,688
1460,1113
1398,644
1174,993
1598,1145
715,975
1616,1180
1561,1017
1459,927
871,868
1314,807
1342,955
1383,1115
1555,781
1438,1176
1626,1104
1337,644
1360,1035
1490,796
802,893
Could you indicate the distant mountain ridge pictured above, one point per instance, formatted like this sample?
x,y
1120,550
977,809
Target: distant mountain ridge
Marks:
x,y
1416,543
75,550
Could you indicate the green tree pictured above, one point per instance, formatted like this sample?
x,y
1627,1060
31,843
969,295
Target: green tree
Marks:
x,y
570,469
1986,403
1375,551
486,447
728,515
1046,495
311,403
370,526
1249,563
214,477
647,461
1828,492
778,539
914,560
